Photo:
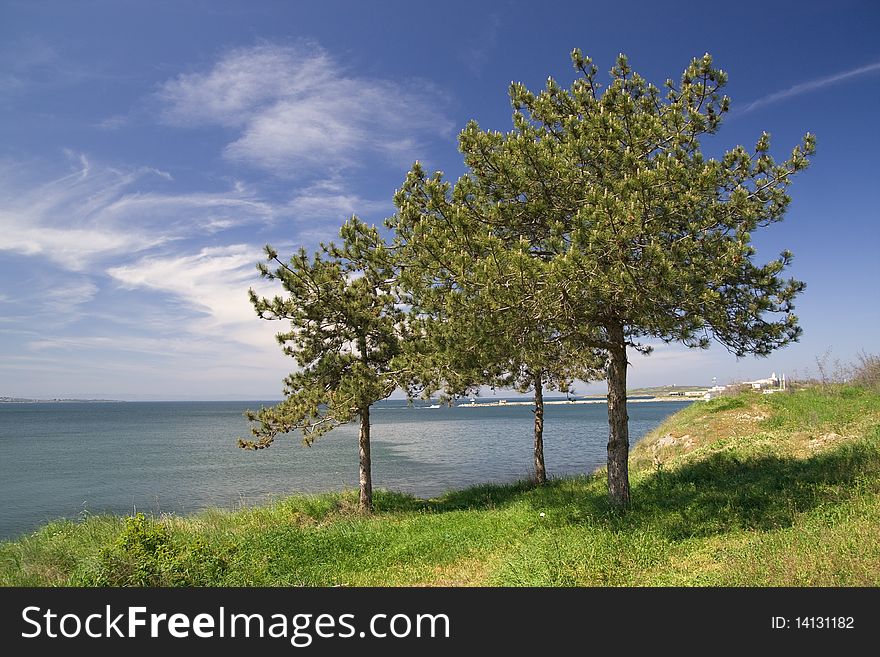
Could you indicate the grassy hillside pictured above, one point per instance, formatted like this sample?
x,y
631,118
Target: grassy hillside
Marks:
x,y
663,391
751,490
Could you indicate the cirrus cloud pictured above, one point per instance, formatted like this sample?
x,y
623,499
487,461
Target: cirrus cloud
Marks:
x,y
212,285
97,213
295,111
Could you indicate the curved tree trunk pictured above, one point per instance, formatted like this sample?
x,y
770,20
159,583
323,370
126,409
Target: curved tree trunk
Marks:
x,y
540,470
366,474
618,420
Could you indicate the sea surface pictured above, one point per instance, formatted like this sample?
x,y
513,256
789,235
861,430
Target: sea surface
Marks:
x,y
68,459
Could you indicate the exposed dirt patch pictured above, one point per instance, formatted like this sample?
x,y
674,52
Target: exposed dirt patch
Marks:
x,y
751,417
687,441
822,441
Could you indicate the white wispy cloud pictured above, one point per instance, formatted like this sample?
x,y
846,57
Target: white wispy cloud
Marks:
x,y
97,212
164,347
126,271
64,300
328,199
194,331
812,85
295,110
114,122
212,286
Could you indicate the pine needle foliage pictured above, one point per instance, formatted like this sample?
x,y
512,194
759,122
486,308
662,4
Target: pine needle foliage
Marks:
x,y
345,331
603,200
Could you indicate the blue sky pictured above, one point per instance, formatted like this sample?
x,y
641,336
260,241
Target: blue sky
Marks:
x,y
149,150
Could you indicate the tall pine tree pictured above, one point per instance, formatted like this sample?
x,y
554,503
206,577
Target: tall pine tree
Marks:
x,y
640,236
481,301
344,333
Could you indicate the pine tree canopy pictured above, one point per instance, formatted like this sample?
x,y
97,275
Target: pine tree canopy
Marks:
x,y
610,189
597,223
344,333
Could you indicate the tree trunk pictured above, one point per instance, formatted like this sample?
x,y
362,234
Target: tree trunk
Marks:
x,y
618,419
366,475
540,470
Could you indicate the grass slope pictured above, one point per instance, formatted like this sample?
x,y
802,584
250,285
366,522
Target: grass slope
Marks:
x,y
765,490
662,391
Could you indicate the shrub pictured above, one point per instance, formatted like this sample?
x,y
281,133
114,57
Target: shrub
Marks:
x,y
144,554
866,370
138,556
727,402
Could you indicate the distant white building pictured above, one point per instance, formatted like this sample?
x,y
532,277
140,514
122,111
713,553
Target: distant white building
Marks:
x,y
713,392
771,384
758,384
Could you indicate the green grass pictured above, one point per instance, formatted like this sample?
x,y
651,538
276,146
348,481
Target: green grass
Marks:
x,y
765,490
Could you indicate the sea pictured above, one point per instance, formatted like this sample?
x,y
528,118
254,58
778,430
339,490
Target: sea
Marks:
x,y
71,459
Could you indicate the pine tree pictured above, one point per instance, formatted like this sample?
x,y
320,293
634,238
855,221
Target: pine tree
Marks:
x,y
639,235
480,304
344,333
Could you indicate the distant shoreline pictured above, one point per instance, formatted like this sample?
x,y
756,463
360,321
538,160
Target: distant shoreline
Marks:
x,y
575,401
22,400
480,404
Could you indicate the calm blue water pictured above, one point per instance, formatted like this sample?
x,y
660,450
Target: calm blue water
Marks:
x,y
64,459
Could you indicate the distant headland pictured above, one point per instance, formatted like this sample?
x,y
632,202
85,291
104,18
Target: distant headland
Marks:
x,y
25,400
